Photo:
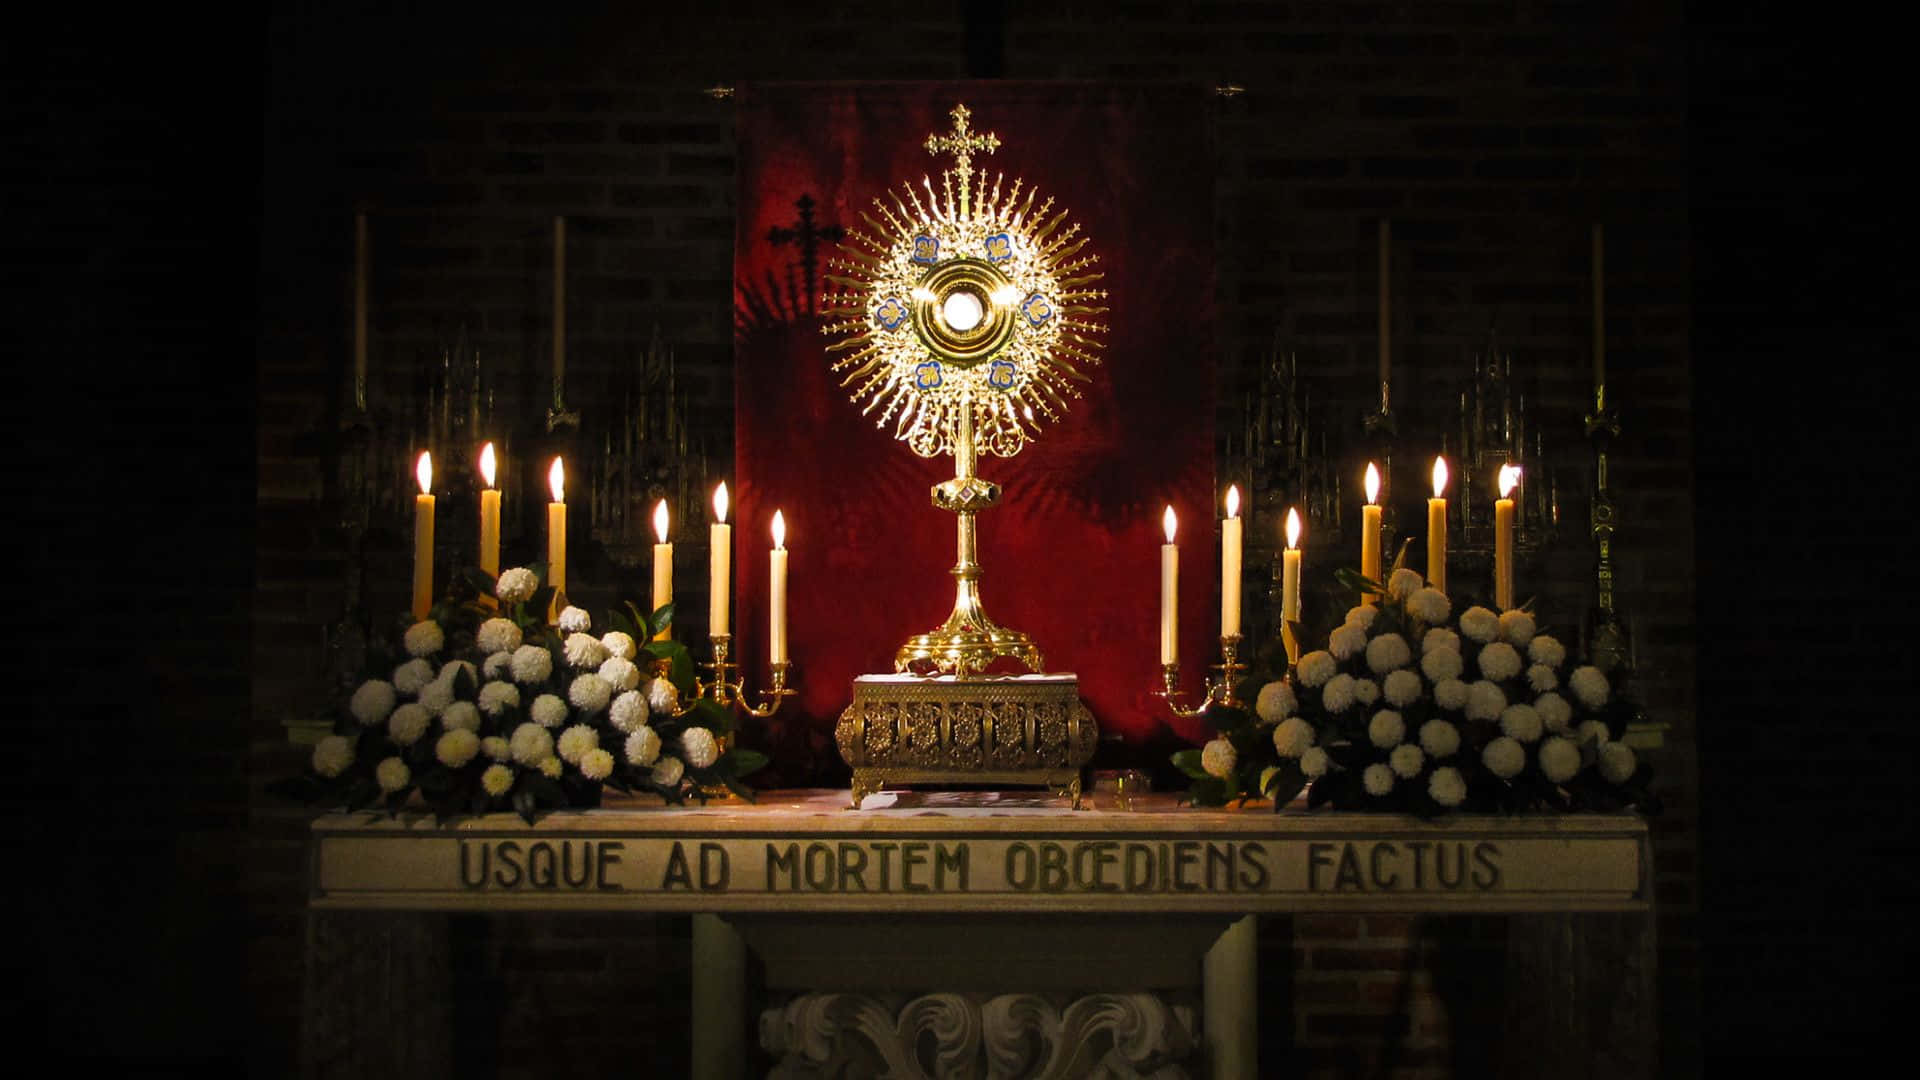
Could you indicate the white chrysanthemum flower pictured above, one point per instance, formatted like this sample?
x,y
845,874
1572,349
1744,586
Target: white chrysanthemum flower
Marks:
x,y
332,755
1366,691
1545,649
1555,713
497,780
668,771
497,665
1346,640
531,744
1439,638
619,643
1593,731
1542,678
1559,759
392,775
450,671
550,767
548,710
1439,738
1480,624
629,712
1403,583
1589,685
408,723
1387,729
497,748
1450,694
1406,761
1362,615
620,674
643,746
1315,763
1447,786
409,677
590,693
532,665
498,697
699,747
436,696
1337,695
497,636
1442,664
424,638
373,701
461,716
1430,606
1485,701
1522,722
1378,779
456,748
1388,652
1217,758
1516,627
1617,763
575,741
516,586
1275,702
1316,668
596,764
662,696
1401,688
575,620
584,651
1504,757
1499,662
1293,736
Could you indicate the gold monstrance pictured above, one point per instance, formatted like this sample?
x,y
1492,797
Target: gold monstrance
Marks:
x,y
963,315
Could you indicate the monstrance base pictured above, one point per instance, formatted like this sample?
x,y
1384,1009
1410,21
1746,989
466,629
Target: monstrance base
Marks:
x,y
964,651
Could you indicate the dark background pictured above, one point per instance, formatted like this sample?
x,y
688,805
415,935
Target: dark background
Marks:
x,y
133,158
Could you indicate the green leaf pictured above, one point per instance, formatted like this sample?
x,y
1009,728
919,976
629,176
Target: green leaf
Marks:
x,y
545,789
1188,761
539,571
662,617
1209,791
623,624
478,580
523,804
738,788
1358,582
643,628
711,715
746,762
464,687
540,603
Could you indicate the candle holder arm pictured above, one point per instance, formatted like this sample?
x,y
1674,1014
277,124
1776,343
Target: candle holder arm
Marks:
x,y
1218,692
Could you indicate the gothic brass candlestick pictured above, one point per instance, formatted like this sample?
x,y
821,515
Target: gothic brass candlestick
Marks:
x,y
729,692
1217,693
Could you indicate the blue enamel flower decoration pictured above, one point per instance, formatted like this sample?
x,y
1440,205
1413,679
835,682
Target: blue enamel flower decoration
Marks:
x,y
927,375
1000,375
891,313
999,248
926,249
1037,309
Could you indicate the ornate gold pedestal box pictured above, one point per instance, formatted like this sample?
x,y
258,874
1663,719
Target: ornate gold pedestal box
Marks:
x,y
1019,730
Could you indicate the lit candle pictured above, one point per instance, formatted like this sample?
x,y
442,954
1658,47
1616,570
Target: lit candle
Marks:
x,y
489,515
1230,566
423,537
662,566
557,538
1503,539
1169,593
1370,533
777,615
1437,528
1290,586
719,564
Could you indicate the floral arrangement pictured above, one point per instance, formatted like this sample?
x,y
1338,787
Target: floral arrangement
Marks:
x,y
491,709
1407,711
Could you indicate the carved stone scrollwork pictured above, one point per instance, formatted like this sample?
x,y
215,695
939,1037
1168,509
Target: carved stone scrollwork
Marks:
x,y
979,1036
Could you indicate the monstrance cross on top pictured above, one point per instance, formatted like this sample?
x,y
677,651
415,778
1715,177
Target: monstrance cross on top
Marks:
x,y
961,144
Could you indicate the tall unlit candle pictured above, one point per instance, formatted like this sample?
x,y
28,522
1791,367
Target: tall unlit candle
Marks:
x,y
777,573
559,311
423,537
1169,593
1437,528
719,564
1230,550
1599,317
361,262
1386,311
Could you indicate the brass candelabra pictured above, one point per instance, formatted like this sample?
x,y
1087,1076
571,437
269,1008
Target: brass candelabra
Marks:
x,y
731,693
1217,693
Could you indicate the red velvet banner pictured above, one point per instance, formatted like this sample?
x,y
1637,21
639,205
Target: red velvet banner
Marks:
x,y
1072,553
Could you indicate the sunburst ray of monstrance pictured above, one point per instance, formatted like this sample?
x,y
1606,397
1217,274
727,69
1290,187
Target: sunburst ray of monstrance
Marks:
x,y
966,316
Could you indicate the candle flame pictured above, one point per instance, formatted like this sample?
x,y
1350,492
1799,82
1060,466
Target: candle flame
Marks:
x,y
557,481
1373,483
1169,522
1439,476
720,503
487,464
660,520
1293,529
779,531
1233,500
423,471
1509,477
